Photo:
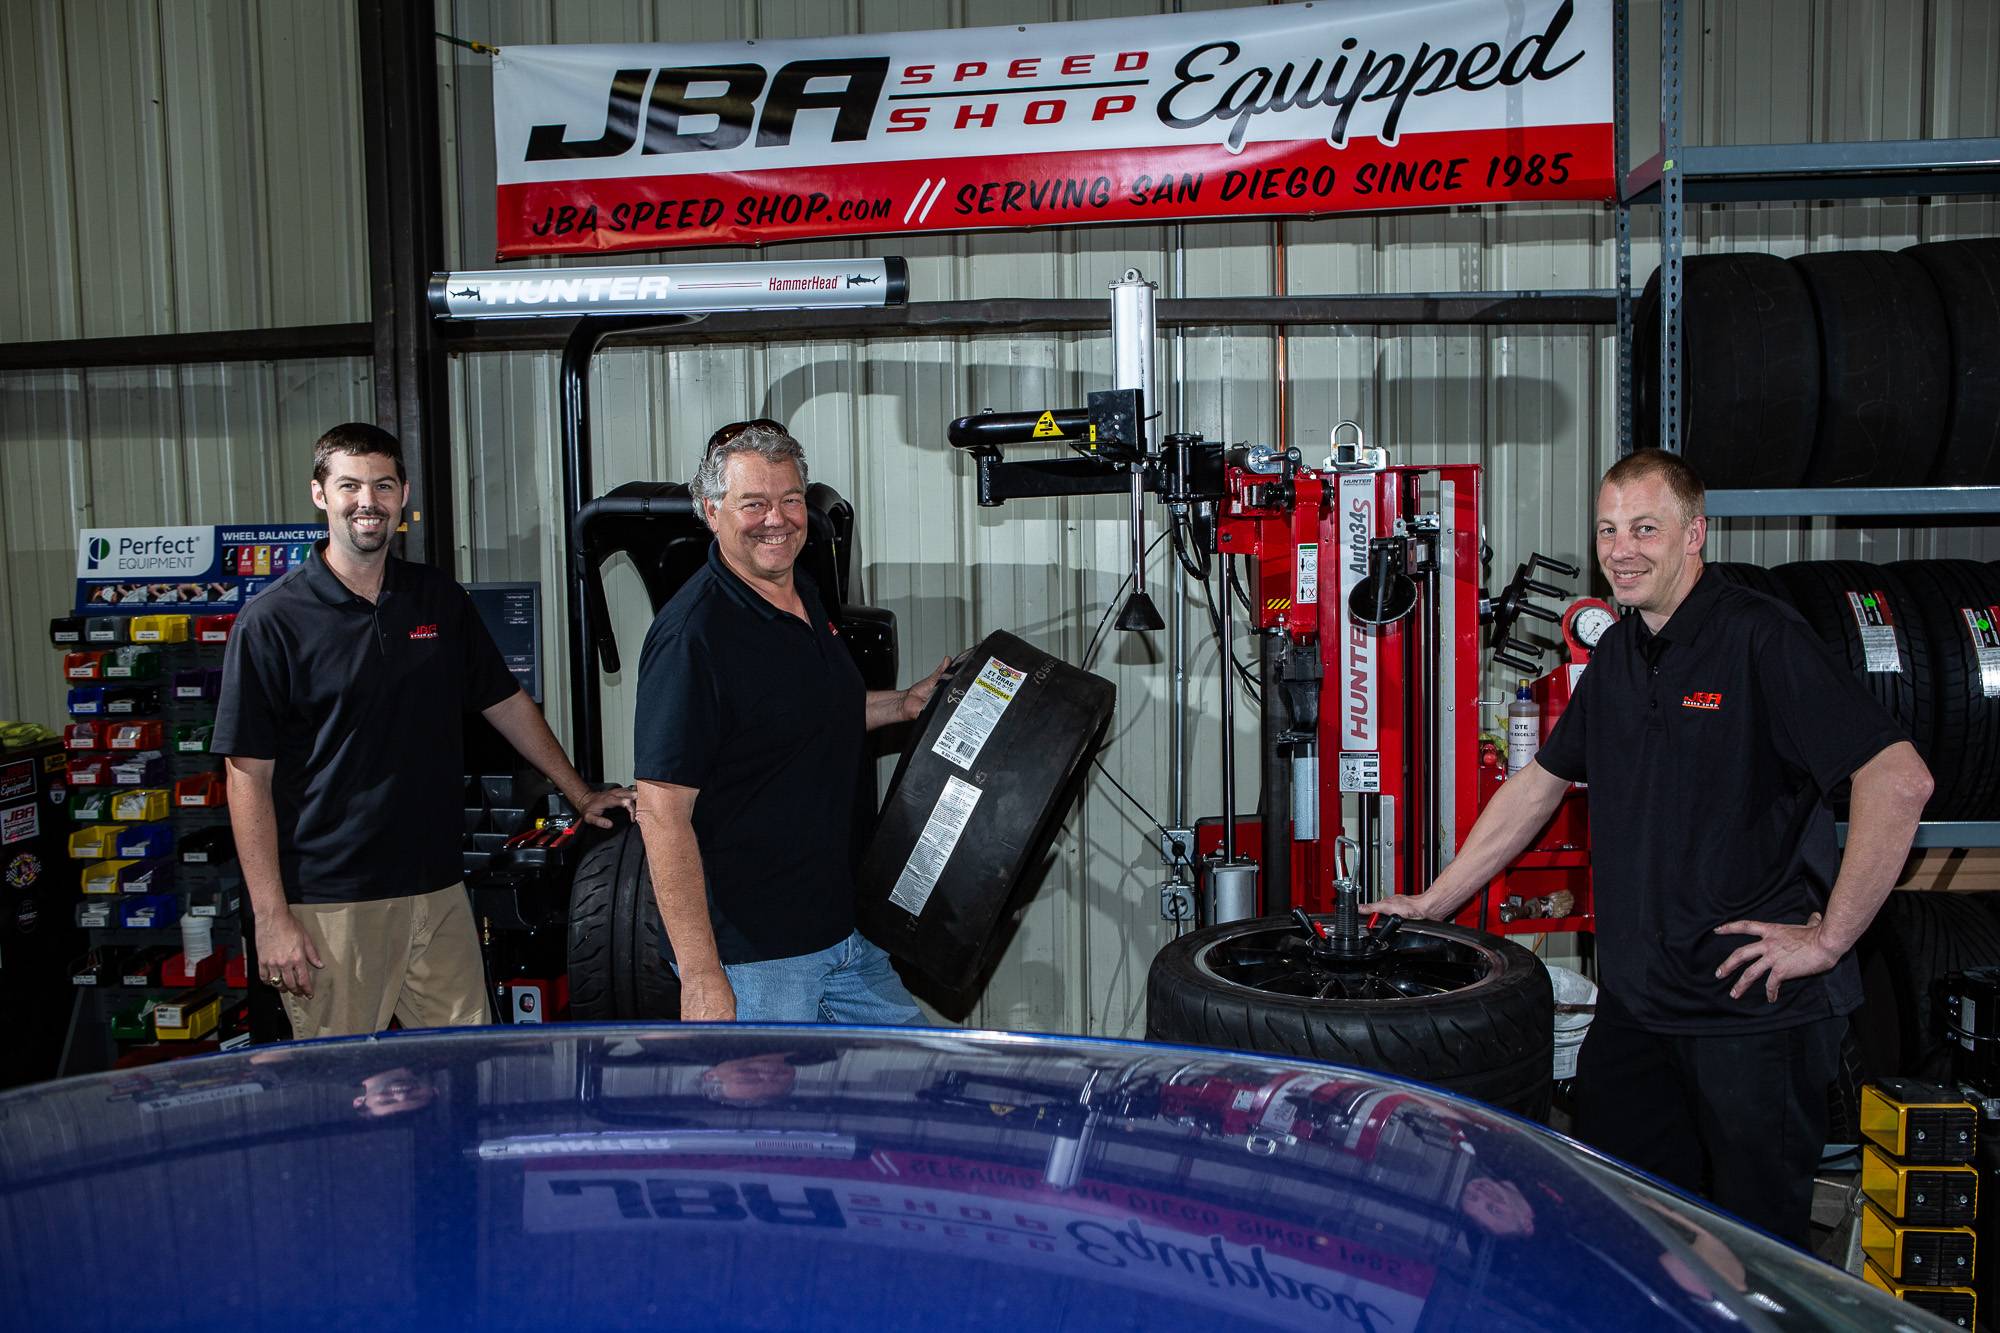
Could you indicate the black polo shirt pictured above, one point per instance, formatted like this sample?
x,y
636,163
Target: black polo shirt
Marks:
x,y
764,715
360,704
1710,748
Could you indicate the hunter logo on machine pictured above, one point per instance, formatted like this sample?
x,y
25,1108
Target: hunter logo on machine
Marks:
x,y
1278,110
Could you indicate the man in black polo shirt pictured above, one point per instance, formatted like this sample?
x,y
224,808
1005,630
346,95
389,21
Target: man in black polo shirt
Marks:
x,y
748,749
1710,728
344,686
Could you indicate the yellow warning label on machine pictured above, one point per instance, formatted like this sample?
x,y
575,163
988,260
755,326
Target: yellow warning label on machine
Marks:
x,y
1046,427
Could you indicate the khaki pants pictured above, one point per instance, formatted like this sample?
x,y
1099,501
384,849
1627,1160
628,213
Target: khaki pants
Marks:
x,y
414,959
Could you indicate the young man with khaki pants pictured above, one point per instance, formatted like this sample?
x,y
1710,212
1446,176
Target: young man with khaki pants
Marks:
x,y
340,721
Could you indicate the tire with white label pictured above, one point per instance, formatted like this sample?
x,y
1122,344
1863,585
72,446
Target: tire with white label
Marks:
x,y
1490,1037
1867,618
1954,605
617,967
996,760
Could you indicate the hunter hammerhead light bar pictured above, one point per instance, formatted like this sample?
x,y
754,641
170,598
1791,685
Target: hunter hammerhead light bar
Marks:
x,y
678,289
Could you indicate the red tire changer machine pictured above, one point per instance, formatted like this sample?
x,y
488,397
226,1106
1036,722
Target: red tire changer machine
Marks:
x,y
1367,602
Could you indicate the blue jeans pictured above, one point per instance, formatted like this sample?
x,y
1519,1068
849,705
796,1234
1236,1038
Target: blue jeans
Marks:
x,y
850,983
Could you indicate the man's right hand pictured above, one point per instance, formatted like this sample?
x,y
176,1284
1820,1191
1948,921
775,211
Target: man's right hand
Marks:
x,y
286,957
1421,906
707,999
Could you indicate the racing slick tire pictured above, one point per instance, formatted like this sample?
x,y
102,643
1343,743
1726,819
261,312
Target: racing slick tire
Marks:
x,y
617,965
1492,1039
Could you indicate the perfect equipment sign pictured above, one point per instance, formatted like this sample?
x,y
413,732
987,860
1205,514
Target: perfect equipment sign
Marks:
x,y
1289,110
146,553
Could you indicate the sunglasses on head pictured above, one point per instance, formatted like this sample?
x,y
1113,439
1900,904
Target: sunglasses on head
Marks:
x,y
722,437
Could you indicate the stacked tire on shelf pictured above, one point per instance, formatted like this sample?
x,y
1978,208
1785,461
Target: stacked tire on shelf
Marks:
x,y
1923,638
1844,368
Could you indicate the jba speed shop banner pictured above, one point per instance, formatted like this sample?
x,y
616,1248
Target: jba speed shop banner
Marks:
x,y
1285,110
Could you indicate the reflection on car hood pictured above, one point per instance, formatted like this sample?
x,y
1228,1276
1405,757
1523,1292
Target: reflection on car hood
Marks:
x,y
777,1178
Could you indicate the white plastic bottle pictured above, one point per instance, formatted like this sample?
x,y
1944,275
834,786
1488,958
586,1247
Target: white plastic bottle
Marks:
x,y
1524,729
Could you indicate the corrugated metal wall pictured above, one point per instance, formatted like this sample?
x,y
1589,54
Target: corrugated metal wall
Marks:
x,y
170,168
234,200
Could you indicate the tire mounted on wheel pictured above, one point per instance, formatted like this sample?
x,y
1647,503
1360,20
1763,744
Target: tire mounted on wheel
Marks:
x,y
1457,1008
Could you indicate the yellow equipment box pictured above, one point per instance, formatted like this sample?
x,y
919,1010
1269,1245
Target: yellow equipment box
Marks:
x,y
1931,1195
1919,1123
1957,1305
141,805
102,876
1922,1256
160,629
95,842
186,1017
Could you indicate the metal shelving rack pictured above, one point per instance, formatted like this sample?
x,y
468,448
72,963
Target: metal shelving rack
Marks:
x,y
1680,174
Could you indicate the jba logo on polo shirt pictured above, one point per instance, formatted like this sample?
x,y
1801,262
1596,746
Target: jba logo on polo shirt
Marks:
x,y
424,632
1708,703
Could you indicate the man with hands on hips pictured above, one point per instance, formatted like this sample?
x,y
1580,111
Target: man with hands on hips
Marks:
x,y
749,752
1710,727
340,720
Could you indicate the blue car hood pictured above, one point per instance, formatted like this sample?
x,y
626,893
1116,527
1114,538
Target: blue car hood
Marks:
x,y
726,1177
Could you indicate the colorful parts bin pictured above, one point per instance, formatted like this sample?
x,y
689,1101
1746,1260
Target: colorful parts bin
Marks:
x,y
193,737
145,805
134,1022
83,736
200,791
176,972
161,629
202,684
144,842
208,847
149,911
143,967
132,662
66,631
97,842
216,901
131,700
122,875
83,665
146,734
213,629
142,769
88,771
96,913
105,629
86,700
102,876
186,1017
88,806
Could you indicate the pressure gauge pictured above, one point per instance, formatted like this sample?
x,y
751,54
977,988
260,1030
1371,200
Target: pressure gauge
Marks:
x,y
1585,622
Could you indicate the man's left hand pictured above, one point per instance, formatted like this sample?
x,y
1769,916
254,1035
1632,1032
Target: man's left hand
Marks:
x,y
597,809
920,693
1779,954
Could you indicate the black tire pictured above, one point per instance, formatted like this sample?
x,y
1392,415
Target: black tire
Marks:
x,y
1967,277
1750,370
1820,591
1918,937
1883,353
617,969
1965,756
1493,1040
1754,577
